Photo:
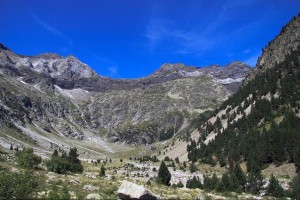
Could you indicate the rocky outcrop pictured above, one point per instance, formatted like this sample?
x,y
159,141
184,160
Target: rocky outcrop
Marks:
x,y
129,190
276,51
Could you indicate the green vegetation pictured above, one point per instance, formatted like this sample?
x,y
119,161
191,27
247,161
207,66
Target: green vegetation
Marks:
x,y
274,188
102,171
27,159
62,164
193,183
164,175
258,138
18,185
296,187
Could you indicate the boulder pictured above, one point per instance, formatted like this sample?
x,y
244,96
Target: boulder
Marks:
x,y
130,190
90,187
93,196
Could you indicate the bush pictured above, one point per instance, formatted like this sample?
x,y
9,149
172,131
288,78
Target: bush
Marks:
x,y
18,186
27,159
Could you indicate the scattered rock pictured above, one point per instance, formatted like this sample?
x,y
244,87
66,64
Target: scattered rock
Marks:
x,y
72,194
130,190
74,181
93,196
90,175
90,187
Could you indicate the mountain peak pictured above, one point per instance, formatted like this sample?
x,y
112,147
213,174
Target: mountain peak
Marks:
x,y
3,47
48,55
172,67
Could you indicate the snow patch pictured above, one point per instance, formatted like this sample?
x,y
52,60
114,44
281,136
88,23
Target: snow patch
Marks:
x,y
230,80
190,74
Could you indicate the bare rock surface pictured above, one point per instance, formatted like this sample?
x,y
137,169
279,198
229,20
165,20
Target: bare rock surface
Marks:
x,y
129,190
93,196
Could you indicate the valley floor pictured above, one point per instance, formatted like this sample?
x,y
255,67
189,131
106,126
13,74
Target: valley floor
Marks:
x,y
89,183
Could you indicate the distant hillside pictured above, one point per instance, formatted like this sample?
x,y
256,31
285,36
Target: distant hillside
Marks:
x,y
260,123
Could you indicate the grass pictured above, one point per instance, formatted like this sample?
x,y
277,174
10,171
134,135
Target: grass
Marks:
x,y
16,135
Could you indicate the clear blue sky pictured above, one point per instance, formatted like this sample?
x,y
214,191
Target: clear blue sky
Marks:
x,y
132,38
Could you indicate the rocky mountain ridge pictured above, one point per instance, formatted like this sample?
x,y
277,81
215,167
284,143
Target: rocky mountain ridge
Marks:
x,y
47,97
70,73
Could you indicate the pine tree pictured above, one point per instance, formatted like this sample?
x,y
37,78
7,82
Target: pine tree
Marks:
x,y
102,171
297,158
193,183
296,187
55,153
184,164
193,168
75,163
164,175
214,181
240,175
274,188
255,182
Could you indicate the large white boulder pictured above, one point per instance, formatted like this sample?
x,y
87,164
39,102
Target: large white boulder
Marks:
x,y
129,190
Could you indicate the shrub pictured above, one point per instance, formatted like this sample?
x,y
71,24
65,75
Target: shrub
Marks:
x,y
27,159
18,185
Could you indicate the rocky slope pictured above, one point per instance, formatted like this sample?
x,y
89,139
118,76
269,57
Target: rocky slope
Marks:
x,y
276,50
261,119
48,99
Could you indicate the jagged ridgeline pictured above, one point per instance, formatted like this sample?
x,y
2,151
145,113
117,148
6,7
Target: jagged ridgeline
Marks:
x,y
53,102
260,124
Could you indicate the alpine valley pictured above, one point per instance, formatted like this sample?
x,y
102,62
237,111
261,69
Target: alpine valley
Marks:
x,y
224,132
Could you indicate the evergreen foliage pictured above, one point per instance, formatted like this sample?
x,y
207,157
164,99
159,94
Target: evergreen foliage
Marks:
x,y
194,183
164,175
296,187
27,159
65,163
258,138
102,171
274,188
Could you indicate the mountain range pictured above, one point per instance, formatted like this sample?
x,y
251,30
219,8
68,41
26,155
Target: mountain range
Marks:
x,y
47,100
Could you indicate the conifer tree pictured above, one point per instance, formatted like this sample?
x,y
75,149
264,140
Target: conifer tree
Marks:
x,y
296,187
240,175
254,182
274,188
164,175
102,171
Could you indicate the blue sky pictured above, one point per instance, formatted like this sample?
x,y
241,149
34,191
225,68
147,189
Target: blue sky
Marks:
x,y
132,38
